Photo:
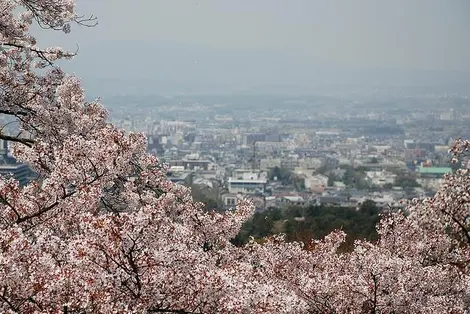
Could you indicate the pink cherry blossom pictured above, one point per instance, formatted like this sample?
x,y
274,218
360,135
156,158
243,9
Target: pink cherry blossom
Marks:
x,y
102,230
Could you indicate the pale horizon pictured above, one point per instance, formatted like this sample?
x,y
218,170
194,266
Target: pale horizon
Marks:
x,y
233,44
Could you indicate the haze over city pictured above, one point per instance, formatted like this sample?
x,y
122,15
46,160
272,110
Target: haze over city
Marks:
x,y
211,46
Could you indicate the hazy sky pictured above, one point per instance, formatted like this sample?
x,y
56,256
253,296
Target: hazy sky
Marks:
x,y
256,42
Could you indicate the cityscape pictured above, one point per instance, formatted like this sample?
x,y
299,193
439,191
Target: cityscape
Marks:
x,y
312,150
234,157
338,151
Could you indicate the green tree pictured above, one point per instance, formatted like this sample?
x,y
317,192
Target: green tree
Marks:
x,y
369,207
354,178
283,175
406,181
317,222
331,179
207,197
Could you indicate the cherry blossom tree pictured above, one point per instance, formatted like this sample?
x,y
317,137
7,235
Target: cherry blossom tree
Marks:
x,y
420,264
102,230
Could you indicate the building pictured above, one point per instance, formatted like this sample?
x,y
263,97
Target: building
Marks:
x,y
230,200
289,163
191,164
273,137
415,153
290,200
9,167
316,183
269,163
21,172
246,186
311,163
247,182
154,144
434,172
181,178
380,178
429,147
250,138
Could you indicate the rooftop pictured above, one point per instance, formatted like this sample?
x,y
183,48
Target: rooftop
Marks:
x,y
434,170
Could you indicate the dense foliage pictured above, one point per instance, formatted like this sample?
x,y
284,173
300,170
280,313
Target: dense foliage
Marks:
x,y
103,231
313,222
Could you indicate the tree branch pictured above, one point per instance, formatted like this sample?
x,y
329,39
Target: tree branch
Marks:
x,y
24,141
172,311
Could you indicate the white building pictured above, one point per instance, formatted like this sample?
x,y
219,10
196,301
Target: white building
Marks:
x,y
230,200
380,178
292,200
247,182
316,182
